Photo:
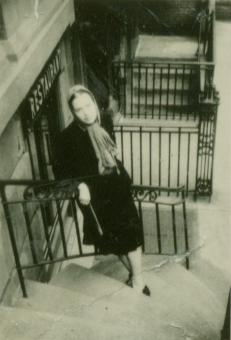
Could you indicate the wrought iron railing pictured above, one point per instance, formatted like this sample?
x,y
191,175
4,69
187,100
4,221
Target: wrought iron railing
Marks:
x,y
37,215
207,88
163,156
171,155
167,90
158,90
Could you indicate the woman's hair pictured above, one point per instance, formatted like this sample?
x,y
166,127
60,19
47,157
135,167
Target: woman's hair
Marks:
x,y
72,97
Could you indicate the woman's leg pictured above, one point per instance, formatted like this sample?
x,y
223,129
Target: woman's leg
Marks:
x,y
136,267
124,259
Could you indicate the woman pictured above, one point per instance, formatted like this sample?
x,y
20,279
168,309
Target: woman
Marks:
x,y
85,149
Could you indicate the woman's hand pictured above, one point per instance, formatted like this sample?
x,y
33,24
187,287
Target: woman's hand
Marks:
x,y
84,194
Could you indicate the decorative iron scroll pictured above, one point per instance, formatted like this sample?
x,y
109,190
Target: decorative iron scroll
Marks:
x,y
55,190
206,145
207,140
144,194
204,187
67,189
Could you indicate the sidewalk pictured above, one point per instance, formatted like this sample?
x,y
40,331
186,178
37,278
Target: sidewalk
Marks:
x,y
214,218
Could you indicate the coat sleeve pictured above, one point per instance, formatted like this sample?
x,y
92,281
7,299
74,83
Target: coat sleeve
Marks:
x,y
72,158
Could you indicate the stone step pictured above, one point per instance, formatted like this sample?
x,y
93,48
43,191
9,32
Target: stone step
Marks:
x,y
181,308
103,311
164,46
75,277
167,59
24,324
161,111
191,287
44,296
110,266
170,311
140,316
216,279
174,302
123,308
158,68
165,309
157,81
181,97
135,123
151,92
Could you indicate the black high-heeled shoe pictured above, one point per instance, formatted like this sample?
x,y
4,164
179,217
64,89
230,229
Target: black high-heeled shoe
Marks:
x,y
146,291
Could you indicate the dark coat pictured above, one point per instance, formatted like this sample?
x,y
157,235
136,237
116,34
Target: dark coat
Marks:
x,y
110,194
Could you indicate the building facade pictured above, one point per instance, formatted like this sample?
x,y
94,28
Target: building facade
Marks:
x,y
36,69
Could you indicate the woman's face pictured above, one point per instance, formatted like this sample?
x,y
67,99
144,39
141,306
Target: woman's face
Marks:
x,y
84,108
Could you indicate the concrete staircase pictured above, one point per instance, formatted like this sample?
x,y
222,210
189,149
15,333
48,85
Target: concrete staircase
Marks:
x,y
160,92
161,82
95,303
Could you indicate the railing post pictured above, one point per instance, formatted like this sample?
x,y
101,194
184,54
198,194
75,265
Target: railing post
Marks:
x,y
225,333
13,241
206,145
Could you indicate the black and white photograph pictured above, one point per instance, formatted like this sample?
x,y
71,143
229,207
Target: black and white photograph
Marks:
x,y
115,169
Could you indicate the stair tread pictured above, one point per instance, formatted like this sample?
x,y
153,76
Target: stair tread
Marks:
x,y
126,307
167,278
170,59
166,99
155,71
161,69
171,303
190,286
108,286
48,291
165,269
169,200
179,303
179,107
150,46
170,91
22,324
138,310
43,297
217,280
73,274
156,123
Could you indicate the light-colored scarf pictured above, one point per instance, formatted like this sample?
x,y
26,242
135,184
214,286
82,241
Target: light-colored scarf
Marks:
x,y
105,148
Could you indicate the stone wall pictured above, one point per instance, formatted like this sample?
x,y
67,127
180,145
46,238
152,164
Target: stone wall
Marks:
x,y
169,16
17,76
15,165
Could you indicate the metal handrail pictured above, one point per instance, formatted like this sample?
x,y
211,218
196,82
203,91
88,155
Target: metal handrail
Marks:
x,y
164,62
51,258
176,189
